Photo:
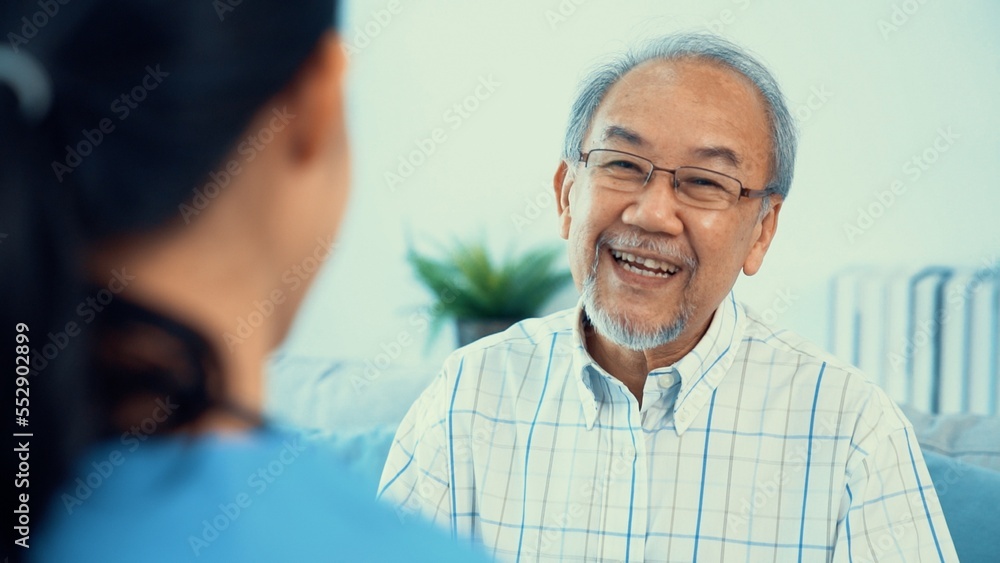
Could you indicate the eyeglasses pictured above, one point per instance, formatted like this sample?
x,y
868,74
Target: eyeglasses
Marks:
x,y
697,187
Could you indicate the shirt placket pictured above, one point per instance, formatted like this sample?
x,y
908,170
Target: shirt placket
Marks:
x,y
640,498
627,498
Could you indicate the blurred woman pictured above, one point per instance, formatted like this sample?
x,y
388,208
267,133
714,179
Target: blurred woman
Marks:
x,y
165,170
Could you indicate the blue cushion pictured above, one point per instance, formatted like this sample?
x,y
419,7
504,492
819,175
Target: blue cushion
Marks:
x,y
971,438
970,498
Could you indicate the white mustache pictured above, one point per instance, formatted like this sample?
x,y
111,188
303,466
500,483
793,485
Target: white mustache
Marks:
x,y
634,241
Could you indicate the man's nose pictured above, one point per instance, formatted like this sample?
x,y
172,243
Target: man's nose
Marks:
x,y
656,207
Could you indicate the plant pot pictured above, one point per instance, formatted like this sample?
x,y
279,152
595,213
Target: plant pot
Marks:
x,y
471,330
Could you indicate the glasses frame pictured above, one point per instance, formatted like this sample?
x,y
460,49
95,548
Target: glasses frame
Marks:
x,y
744,192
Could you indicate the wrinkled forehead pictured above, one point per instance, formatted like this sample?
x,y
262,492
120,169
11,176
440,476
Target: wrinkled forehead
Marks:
x,y
700,85
707,79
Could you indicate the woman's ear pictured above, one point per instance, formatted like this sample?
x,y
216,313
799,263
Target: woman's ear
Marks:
x,y
316,98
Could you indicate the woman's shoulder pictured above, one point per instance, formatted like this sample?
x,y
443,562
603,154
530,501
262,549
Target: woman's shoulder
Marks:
x,y
269,495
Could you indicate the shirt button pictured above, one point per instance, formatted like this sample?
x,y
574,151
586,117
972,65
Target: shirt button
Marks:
x,y
628,452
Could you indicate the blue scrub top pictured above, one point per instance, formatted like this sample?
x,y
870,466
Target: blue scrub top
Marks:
x,y
263,496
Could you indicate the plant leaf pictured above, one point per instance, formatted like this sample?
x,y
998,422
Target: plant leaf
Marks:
x,y
468,284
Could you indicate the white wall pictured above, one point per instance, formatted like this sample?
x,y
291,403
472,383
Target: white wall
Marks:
x,y
887,91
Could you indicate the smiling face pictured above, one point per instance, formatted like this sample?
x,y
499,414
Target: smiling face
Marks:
x,y
652,269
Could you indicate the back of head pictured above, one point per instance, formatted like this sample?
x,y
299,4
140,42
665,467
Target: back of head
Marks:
x,y
702,46
111,112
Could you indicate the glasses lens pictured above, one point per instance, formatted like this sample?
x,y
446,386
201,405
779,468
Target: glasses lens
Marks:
x,y
617,170
707,189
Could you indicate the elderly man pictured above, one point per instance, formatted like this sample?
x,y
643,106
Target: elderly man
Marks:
x,y
658,420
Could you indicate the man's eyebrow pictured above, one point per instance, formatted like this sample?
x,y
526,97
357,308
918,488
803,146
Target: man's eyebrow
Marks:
x,y
724,153
711,152
624,134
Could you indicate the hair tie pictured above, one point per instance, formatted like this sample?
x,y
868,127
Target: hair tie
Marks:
x,y
27,78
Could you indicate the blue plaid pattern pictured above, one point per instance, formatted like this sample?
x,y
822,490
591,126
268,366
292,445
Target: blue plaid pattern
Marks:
x,y
755,446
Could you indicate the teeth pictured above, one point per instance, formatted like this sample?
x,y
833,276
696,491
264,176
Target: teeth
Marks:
x,y
646,273
631,259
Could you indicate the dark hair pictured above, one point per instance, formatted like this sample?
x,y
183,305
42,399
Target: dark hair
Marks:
x,y
146,98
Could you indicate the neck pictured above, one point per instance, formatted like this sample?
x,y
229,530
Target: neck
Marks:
x,y
632,367
209,292
625,365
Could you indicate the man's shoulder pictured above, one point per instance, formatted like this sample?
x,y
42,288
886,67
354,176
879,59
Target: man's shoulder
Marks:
x,y
523,350
526,335
787,344
856,391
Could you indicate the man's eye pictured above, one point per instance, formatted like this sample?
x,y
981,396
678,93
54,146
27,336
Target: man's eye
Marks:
x,y
702,183
623,165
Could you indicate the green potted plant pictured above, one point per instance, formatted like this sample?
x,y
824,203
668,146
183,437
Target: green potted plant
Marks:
x,y
484,296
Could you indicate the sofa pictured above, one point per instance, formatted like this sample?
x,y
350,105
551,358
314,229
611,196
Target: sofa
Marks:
x,y
356,406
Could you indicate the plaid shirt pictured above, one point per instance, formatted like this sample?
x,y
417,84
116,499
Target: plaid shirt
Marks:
x,y
754,446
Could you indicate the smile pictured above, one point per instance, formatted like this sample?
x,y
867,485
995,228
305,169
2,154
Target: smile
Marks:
x,y
648,267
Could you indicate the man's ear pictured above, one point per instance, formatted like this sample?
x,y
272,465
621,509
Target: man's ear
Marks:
x,y
763,235
562,182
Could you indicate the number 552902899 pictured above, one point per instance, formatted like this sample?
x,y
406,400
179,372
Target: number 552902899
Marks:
x,y
21,370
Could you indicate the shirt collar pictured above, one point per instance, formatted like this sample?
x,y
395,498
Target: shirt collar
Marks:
x,y
585,368
700,370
